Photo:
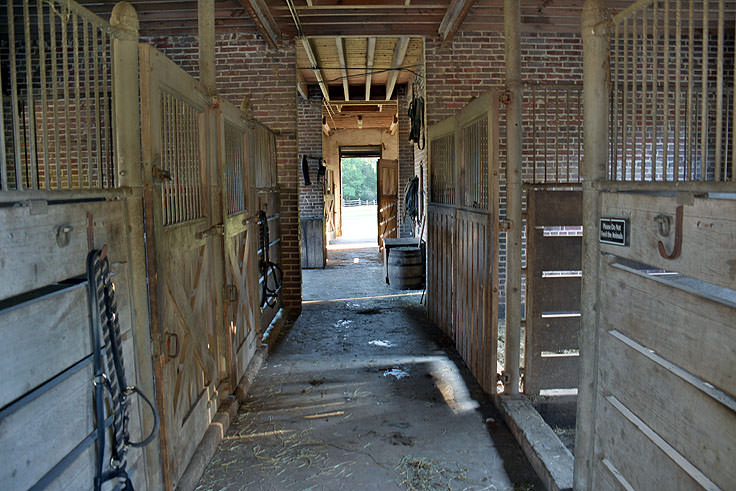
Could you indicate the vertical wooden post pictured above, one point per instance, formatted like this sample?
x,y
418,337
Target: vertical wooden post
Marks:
x,y
126,124
596,80
206,30
512,22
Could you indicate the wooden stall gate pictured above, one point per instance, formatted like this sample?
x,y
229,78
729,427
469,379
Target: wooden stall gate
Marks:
x,y
663,395
388,199
554,252
462,259
69,185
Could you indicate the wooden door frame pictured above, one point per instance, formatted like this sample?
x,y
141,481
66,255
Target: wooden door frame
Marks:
x,y
379,195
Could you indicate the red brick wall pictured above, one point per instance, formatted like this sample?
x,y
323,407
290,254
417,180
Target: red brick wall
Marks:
x,y
247,67
406,160
311,202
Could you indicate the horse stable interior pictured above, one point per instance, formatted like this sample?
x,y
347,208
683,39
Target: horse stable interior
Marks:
x,y
169,167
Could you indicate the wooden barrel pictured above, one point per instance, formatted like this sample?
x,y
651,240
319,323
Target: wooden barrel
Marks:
x,y
406,268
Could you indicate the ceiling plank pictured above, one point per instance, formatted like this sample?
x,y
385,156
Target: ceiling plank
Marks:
x,y
399,55
343,66
265,23
369,67
317,72
454,16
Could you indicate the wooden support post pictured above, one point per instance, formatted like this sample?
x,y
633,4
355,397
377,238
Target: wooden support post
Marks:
x,y
512,16
206,32
595,22
124,22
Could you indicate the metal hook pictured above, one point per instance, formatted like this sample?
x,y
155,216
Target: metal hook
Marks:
x,y
677,249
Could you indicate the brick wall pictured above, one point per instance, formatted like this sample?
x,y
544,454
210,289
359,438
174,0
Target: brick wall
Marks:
x,y
473,64
311,201
406,161
248,68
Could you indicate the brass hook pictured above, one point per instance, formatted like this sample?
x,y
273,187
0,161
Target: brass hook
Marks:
x,y
677,249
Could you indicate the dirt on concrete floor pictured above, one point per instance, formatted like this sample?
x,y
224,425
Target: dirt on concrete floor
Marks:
x,y
364,393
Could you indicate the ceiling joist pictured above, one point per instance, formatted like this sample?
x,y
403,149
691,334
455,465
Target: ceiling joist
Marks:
x,y
454,17
399,55
370,54
315,68
343,67
301,86
263,19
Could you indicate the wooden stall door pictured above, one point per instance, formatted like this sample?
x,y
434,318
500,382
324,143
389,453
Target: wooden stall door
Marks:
x,y
666,389
554,255
239,240
183,254
388,199
329,203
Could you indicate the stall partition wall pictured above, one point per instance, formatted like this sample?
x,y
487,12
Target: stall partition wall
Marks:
x,y
462,257
664,394
72,182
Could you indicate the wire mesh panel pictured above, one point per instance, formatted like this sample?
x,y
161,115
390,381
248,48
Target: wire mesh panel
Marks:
x,y
552,118
181,191
442,172
56,112
475,164
234,168
672,77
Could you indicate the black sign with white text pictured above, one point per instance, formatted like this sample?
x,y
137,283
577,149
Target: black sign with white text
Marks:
x,y
615,231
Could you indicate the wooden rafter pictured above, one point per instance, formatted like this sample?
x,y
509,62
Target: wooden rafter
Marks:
x,y
454,16
343,67
315,67
263,19
370,54
399,55
301,86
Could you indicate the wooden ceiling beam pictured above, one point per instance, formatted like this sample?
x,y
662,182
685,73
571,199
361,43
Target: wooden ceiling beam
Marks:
x,y
399,55
343,67
370,54
301,85
265,22
315,67
454,17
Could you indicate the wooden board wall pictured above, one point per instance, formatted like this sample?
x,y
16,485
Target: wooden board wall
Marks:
x,y
46,332
666,403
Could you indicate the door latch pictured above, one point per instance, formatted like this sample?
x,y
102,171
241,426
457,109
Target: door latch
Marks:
x,y
160,174
217,229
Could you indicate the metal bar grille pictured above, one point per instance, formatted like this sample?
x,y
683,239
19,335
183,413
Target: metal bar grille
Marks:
x,y
55,114
442,175
234,169
475,145
181,194
553,132
673,59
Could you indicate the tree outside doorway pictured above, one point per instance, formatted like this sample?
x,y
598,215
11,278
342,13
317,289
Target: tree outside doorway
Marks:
x,y
359,188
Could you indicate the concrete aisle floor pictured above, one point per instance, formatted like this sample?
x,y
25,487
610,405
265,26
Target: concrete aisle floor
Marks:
x,y
364,393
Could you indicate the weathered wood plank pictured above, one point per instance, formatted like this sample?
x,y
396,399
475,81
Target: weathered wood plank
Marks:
x,y
556,208
697,334
708,235
554,334
557,372
554,253
697,426
41,338
553,294
31,255
635,455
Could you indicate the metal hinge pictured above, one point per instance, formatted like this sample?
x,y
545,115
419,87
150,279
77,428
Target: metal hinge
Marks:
x,y
160,174
504,97
504,378
504,225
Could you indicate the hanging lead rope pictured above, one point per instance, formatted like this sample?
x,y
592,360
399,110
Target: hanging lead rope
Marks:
x,y
271,273
416,118
108,344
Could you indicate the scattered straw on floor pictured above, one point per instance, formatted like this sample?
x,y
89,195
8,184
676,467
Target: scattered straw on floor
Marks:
x,y
419,473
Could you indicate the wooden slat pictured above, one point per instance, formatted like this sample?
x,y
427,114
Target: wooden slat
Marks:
x,y
559,372
554,335
695,333
398,60
556,294
453,18
555,253
563,209
709,226
697,427
635,455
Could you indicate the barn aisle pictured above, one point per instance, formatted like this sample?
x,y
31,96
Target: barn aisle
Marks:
x,y
364,393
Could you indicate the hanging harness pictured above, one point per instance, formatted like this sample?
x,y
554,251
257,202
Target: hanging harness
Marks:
x,y
108,344
416,119
411,198
269,270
